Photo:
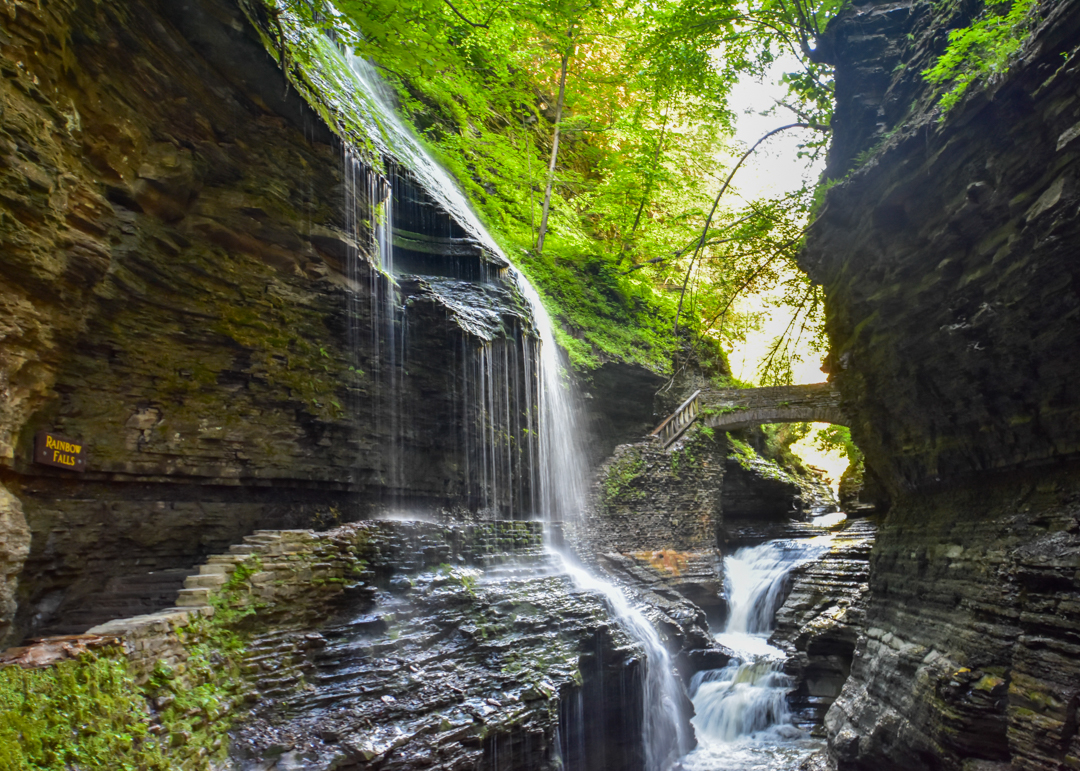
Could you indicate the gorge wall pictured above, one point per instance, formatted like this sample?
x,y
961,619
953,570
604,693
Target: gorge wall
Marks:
x,y
947,251
188,289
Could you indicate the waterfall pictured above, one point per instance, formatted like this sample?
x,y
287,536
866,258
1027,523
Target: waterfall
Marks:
x,y
664,731
561,482
560,466
741,711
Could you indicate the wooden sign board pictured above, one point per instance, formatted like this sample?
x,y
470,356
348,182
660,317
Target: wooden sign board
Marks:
x,y
59,451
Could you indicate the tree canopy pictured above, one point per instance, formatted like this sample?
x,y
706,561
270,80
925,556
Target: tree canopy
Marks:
x,y
647,251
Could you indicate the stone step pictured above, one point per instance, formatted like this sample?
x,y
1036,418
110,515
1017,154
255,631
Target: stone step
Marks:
x,y
263,536
217,568
221,559
195,597
212,581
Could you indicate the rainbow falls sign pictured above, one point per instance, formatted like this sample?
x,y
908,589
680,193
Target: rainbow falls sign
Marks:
x,y
59,451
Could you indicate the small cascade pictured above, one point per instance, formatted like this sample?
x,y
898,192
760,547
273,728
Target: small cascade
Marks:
x,y
562,466
500,452
369,212
665,731
741,711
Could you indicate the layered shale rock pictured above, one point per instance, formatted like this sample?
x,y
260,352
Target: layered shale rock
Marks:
x,y
821,620
381,645
971,643
456,652
188,290
946,251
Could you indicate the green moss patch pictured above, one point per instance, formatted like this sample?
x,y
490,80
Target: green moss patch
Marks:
x,y
86,714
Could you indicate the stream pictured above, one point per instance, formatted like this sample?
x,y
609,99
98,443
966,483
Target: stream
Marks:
x,y
741,716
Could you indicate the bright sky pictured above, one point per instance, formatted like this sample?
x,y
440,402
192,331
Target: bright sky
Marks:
x,y
775,168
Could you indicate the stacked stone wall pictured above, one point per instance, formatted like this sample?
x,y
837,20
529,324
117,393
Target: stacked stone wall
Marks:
x,y
649,498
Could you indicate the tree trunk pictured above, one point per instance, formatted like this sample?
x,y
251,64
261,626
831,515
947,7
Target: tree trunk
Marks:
x,y
554,144
648,188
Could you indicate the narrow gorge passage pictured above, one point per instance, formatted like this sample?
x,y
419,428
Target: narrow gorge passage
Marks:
x,y
347,324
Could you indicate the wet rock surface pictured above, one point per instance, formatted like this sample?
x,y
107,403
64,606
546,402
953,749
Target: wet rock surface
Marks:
x,y
946,253
185,291
762,501
443,656
971,632
447,673
822,619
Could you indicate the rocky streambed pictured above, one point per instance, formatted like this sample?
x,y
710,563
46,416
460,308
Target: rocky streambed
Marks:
x,y
406,645
460,667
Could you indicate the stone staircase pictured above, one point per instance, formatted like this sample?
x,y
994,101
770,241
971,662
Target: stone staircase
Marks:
x,y
124,596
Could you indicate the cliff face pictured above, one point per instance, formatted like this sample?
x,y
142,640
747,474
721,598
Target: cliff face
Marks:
x,y
947,253
947,256
187,289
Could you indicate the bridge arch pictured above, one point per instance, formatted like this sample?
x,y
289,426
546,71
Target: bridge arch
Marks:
x,y
734,408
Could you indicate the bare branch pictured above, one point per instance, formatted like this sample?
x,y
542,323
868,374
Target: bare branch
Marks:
x,y
716,203
461,16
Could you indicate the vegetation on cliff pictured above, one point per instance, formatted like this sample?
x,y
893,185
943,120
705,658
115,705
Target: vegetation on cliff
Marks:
x,y
631,227
981,50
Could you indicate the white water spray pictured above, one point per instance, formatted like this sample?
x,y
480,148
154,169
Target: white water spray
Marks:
x,y
665,732
741,711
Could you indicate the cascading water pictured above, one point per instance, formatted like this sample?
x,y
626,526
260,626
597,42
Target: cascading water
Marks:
x,y
562,476
370,192
666,734
741,711
560,468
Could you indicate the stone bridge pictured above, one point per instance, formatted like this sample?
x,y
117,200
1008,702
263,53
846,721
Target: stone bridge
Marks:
x,y
733,408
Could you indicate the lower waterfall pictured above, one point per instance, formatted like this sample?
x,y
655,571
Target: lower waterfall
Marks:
x,y
742,718
665,728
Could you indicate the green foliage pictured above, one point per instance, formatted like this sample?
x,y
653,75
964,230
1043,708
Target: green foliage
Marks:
x,y
85,714
644,141
985,48
201,701
466,578
618,483
838,439
91,714
778,440
742,451
749,459
232,603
